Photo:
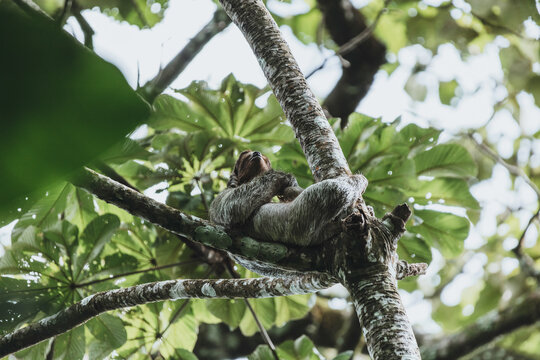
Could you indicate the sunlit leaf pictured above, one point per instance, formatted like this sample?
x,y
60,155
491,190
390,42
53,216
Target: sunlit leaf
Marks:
x,y
449,160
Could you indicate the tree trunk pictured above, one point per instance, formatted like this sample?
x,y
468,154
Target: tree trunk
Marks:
x,y
368,246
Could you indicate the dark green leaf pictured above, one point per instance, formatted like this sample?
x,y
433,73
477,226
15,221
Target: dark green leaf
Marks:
x,y
80,104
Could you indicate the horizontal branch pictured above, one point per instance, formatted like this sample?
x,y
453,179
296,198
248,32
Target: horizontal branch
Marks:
x,y
96,304
253,254
485,329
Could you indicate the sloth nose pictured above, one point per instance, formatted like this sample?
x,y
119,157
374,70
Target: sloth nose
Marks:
x,y
256,154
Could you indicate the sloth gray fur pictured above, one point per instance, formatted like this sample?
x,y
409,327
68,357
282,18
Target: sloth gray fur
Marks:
x,y
308,219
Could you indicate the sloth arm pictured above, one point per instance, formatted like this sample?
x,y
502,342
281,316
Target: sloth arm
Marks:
x,y
235,206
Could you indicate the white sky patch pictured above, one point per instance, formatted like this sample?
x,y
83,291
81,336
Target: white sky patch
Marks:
x,y
5,236
155,193
419,311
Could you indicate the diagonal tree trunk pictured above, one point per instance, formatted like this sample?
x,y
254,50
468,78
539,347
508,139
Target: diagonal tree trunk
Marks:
x,y
364,256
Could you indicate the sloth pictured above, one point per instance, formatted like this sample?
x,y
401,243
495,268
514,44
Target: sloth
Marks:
x,y
302,217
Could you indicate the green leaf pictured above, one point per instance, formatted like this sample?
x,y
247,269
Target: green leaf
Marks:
x,y
201,312
290,308
71,345
262,352
45,212
93,239
136,12
449,160
413,249
351,136
303,346
306,27
228,114
125,150
38,351
108,329
266,312
447,91
445,231
506,13
435,26
447,191
230,311
346,355
391,172
418,138
300,349
80,104
533,87
21,301
181,335
516,67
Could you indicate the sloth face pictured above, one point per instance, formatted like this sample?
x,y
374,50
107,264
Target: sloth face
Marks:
x,y
249,165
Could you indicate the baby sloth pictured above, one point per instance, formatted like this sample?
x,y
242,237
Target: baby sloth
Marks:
x,y
302,218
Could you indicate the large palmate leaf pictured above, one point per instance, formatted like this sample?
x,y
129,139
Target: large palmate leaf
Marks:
x,y
450,160
229,113
299,349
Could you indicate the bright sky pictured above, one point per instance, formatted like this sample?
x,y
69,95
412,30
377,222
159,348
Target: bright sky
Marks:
x,y
136,51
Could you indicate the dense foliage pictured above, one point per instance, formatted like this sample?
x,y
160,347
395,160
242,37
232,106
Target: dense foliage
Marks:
x,y
67,244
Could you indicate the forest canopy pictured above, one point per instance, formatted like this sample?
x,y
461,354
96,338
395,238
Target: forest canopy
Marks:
x,y
436,103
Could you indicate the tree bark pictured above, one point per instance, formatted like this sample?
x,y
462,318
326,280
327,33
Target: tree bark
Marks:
x,y
282,258
96,304
318,141
382,314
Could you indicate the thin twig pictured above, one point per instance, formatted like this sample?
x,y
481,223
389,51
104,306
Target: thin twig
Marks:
x,y
358,39
489,23
525,261
263,331
522,237
203,199
136,272
87,30
170,72
513,169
